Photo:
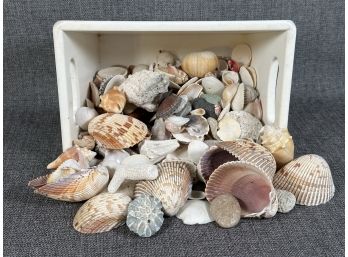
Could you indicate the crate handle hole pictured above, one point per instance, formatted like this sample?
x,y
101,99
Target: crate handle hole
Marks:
x,y
74,86
271,92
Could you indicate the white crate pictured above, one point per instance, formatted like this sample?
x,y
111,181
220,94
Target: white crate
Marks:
x,y
83,47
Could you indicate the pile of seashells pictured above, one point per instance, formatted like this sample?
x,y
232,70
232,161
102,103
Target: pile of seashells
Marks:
x,y
159,139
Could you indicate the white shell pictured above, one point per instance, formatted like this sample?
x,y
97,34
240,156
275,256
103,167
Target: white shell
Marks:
x,y
241,53
230,78
195,212
212,86
84,115
158,130
175,124
192,91
229,129
196,149
238,100
113,159
156,149
249,125
246,76
116,81
186,137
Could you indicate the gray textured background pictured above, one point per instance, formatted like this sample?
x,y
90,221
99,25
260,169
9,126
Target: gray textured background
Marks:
x,y
36,226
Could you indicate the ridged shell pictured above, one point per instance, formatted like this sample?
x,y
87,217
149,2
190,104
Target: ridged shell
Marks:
x,y
117,131
198,64
113,101
308,178
102,213
248,184
171,187
73,187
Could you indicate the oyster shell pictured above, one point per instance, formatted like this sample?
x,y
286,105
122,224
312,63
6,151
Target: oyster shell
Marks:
x,y
113,100
242,54
195,212
84,115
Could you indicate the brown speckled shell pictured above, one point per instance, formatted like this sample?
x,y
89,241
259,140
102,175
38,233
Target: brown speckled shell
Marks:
x,y
117,131
168,106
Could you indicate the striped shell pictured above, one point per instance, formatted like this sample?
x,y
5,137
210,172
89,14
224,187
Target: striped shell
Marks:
x,y
102,213
73,186
308,178
117,131
171,187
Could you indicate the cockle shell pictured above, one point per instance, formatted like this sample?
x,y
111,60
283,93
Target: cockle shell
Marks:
x,y
84,115
102,213
225,210
229,129
145,217
117,131
212,85
164,58
230,78
86,141
246,76
197,126
249,125
159,131
113,101
242,54
192,91
279,142
72,186
158,149
248,184
250,94
175,124
286,201
254,108
195,212
142,87
308,178
198,64
169,106
171,187
196,149
228,94
237,103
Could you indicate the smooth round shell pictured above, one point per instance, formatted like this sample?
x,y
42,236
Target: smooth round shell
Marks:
x,y
195,212
241,53
212,85
286,201
198,64
84,115
225,210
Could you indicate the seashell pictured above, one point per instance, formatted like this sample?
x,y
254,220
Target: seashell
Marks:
x,y
169,106
237,103
195,212
197,64
113,101
175,75
108,73
175,124
249,125
82,155
134,167
248,184
102,213
225,210
164,58
86,141
213,125
196,195
189,164
192,91
84,115
254,108
189,82
213,99
158,149
233,65
113,160
199,112
127,188
186,138
195,150
197,126
72,164
117,131
145,217
115,81
212,85
171,187
229,129
187,108
246,77
72,186
140,67
250,94
230,78
158,130
227,95
241,53
94,92
286,201
308,178
253,74
142,87
208,107
279,142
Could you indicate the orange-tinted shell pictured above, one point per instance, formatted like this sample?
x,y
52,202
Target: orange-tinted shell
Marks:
x,y
113,101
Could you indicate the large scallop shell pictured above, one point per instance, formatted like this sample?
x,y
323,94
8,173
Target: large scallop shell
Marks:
x,y
102,213
117,131
171,187
308,178
248,184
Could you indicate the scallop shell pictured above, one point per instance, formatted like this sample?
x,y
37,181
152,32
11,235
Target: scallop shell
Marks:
x,y
192,91
171,187
117,131
308,178
237,103
102,213
212,85
279,142
230,78
250,94
246,76
84,115
198,64
113,101
248,184
72,186
169,106
86,141
158,149
242,54
254,108
249,125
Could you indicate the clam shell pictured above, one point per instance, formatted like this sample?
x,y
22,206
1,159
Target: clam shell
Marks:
x,y
192,91
246,76
195,212
197,126
230,78
84,115
212,85
250,94
228,94
198,64
117,131
156,149
102,213
247,183
237,103
249,125
175,124
169,106
254,108
308,178
171,187
113,100
242,54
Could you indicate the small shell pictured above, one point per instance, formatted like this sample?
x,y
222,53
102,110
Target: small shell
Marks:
x,y
168,106
308,178
195,150
228,94
117,131
164,58
84,115
175,124
175,75
241,53
246,76
200,63
101,213
86,141
159,131
237,103
254,108
195,212
212,85
171,187
145,217
208,107
286,201
230,78
72,187
116,81
189,82
229,129
186,138
158,149
250,94
199,112
225,210
249,125
140,67
213,125
113,101
192,91
197,126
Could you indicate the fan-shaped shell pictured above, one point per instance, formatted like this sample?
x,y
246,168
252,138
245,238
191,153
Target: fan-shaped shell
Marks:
x,y
102,213
171,187
308,178
117,131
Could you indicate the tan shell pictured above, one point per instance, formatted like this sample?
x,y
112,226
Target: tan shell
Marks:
x,y
175,75
94,94
308,178
113,101
230,78
198,64
279,142
72,186
213,125
228,94
198,126
102,213
242,54
237,103
86,141
117,131
246,77
171,187
253,74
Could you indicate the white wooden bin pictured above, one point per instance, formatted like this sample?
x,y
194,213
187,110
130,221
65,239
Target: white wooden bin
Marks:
x,y
83,47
